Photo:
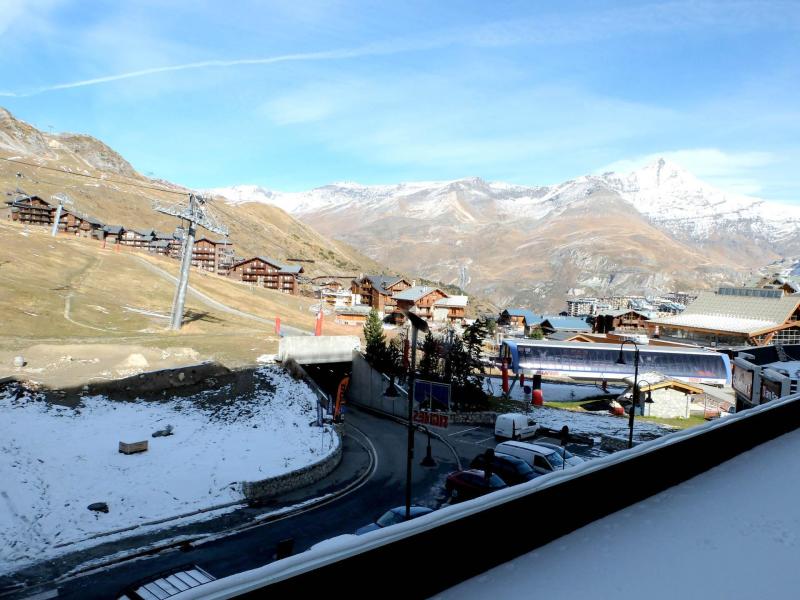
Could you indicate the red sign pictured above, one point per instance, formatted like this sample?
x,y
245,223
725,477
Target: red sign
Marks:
x,y
433,419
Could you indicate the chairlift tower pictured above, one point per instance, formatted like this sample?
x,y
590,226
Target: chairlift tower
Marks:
x,y
195,213
63,199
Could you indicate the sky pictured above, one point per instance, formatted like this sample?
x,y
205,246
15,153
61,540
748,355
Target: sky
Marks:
x,y
294,95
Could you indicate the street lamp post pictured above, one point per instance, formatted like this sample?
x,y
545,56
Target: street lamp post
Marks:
x,y
417,324
621,361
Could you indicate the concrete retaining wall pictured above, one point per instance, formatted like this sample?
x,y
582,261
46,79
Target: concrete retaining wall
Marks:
x,y
368,387
274,486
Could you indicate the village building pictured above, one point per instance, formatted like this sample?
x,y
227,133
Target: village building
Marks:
x,y
113,233
352,315
136,238
420,300
451,309
378,291
519,321
734,317
268,273
30,210
581,307
333,293
663,397
550,325
624,320
161,243
75,223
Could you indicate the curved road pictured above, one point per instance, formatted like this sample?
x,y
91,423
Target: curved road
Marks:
x,y
256,546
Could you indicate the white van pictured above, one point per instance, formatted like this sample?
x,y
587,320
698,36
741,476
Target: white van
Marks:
x,y
541,458
514,426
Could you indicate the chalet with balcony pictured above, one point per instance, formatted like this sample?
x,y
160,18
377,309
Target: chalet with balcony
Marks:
x,y
451,309
520,320
625,320
113,233
267,272
378,291
419,299
137,238
79,224
352,315
30,210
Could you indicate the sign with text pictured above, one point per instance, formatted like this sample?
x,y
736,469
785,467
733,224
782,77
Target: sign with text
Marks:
x,y
770,390
424,417
430,395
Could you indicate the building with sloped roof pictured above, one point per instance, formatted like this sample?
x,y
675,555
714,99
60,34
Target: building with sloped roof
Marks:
x,y
551,325
419,299
378,291
267,272
733,317
520,319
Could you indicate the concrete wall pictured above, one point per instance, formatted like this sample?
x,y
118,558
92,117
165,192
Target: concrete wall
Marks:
x,y
318,349
274,486
368,387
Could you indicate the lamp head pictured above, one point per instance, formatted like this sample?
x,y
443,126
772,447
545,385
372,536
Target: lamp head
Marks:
x,y
621,358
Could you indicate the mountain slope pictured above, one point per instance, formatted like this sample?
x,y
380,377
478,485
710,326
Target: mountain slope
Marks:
x,y
110,193
656,229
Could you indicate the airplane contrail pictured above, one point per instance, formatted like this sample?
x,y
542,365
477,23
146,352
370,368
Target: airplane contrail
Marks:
x,y
371,50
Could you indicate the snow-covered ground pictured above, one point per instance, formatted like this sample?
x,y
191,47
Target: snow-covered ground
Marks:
x,y
55,460
596,425
731,533
552,392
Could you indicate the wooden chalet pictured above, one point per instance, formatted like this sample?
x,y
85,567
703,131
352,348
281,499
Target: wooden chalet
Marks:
x,y
378,291
214,256
31,210
420,300
451,309
520,319
137,238
352,315
113,233
81,225
268,273
632,321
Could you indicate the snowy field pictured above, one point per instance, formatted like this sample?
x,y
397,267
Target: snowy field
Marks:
x,y
730,533
55,461
596,425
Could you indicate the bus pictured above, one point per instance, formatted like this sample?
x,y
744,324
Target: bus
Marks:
x,y
582,360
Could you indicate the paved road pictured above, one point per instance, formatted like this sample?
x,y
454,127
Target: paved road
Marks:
x,y
209,301
255,547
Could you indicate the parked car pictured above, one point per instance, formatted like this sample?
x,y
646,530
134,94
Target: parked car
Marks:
x,y
511,469
514,426
569,457
394,516
541,458
471,483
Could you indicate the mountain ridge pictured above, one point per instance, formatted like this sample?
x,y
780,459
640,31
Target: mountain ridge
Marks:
x,y
706,236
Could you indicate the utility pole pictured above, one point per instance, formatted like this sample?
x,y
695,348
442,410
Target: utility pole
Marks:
x,y
195,214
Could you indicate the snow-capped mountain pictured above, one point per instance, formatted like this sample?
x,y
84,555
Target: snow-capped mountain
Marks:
x,y
654,228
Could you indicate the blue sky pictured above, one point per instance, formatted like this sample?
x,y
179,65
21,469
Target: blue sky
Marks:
x,y
292,95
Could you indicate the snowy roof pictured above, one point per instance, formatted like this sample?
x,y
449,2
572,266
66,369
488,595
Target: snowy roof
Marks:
x,y
736,314
453,301
728,323
415,293
567,323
